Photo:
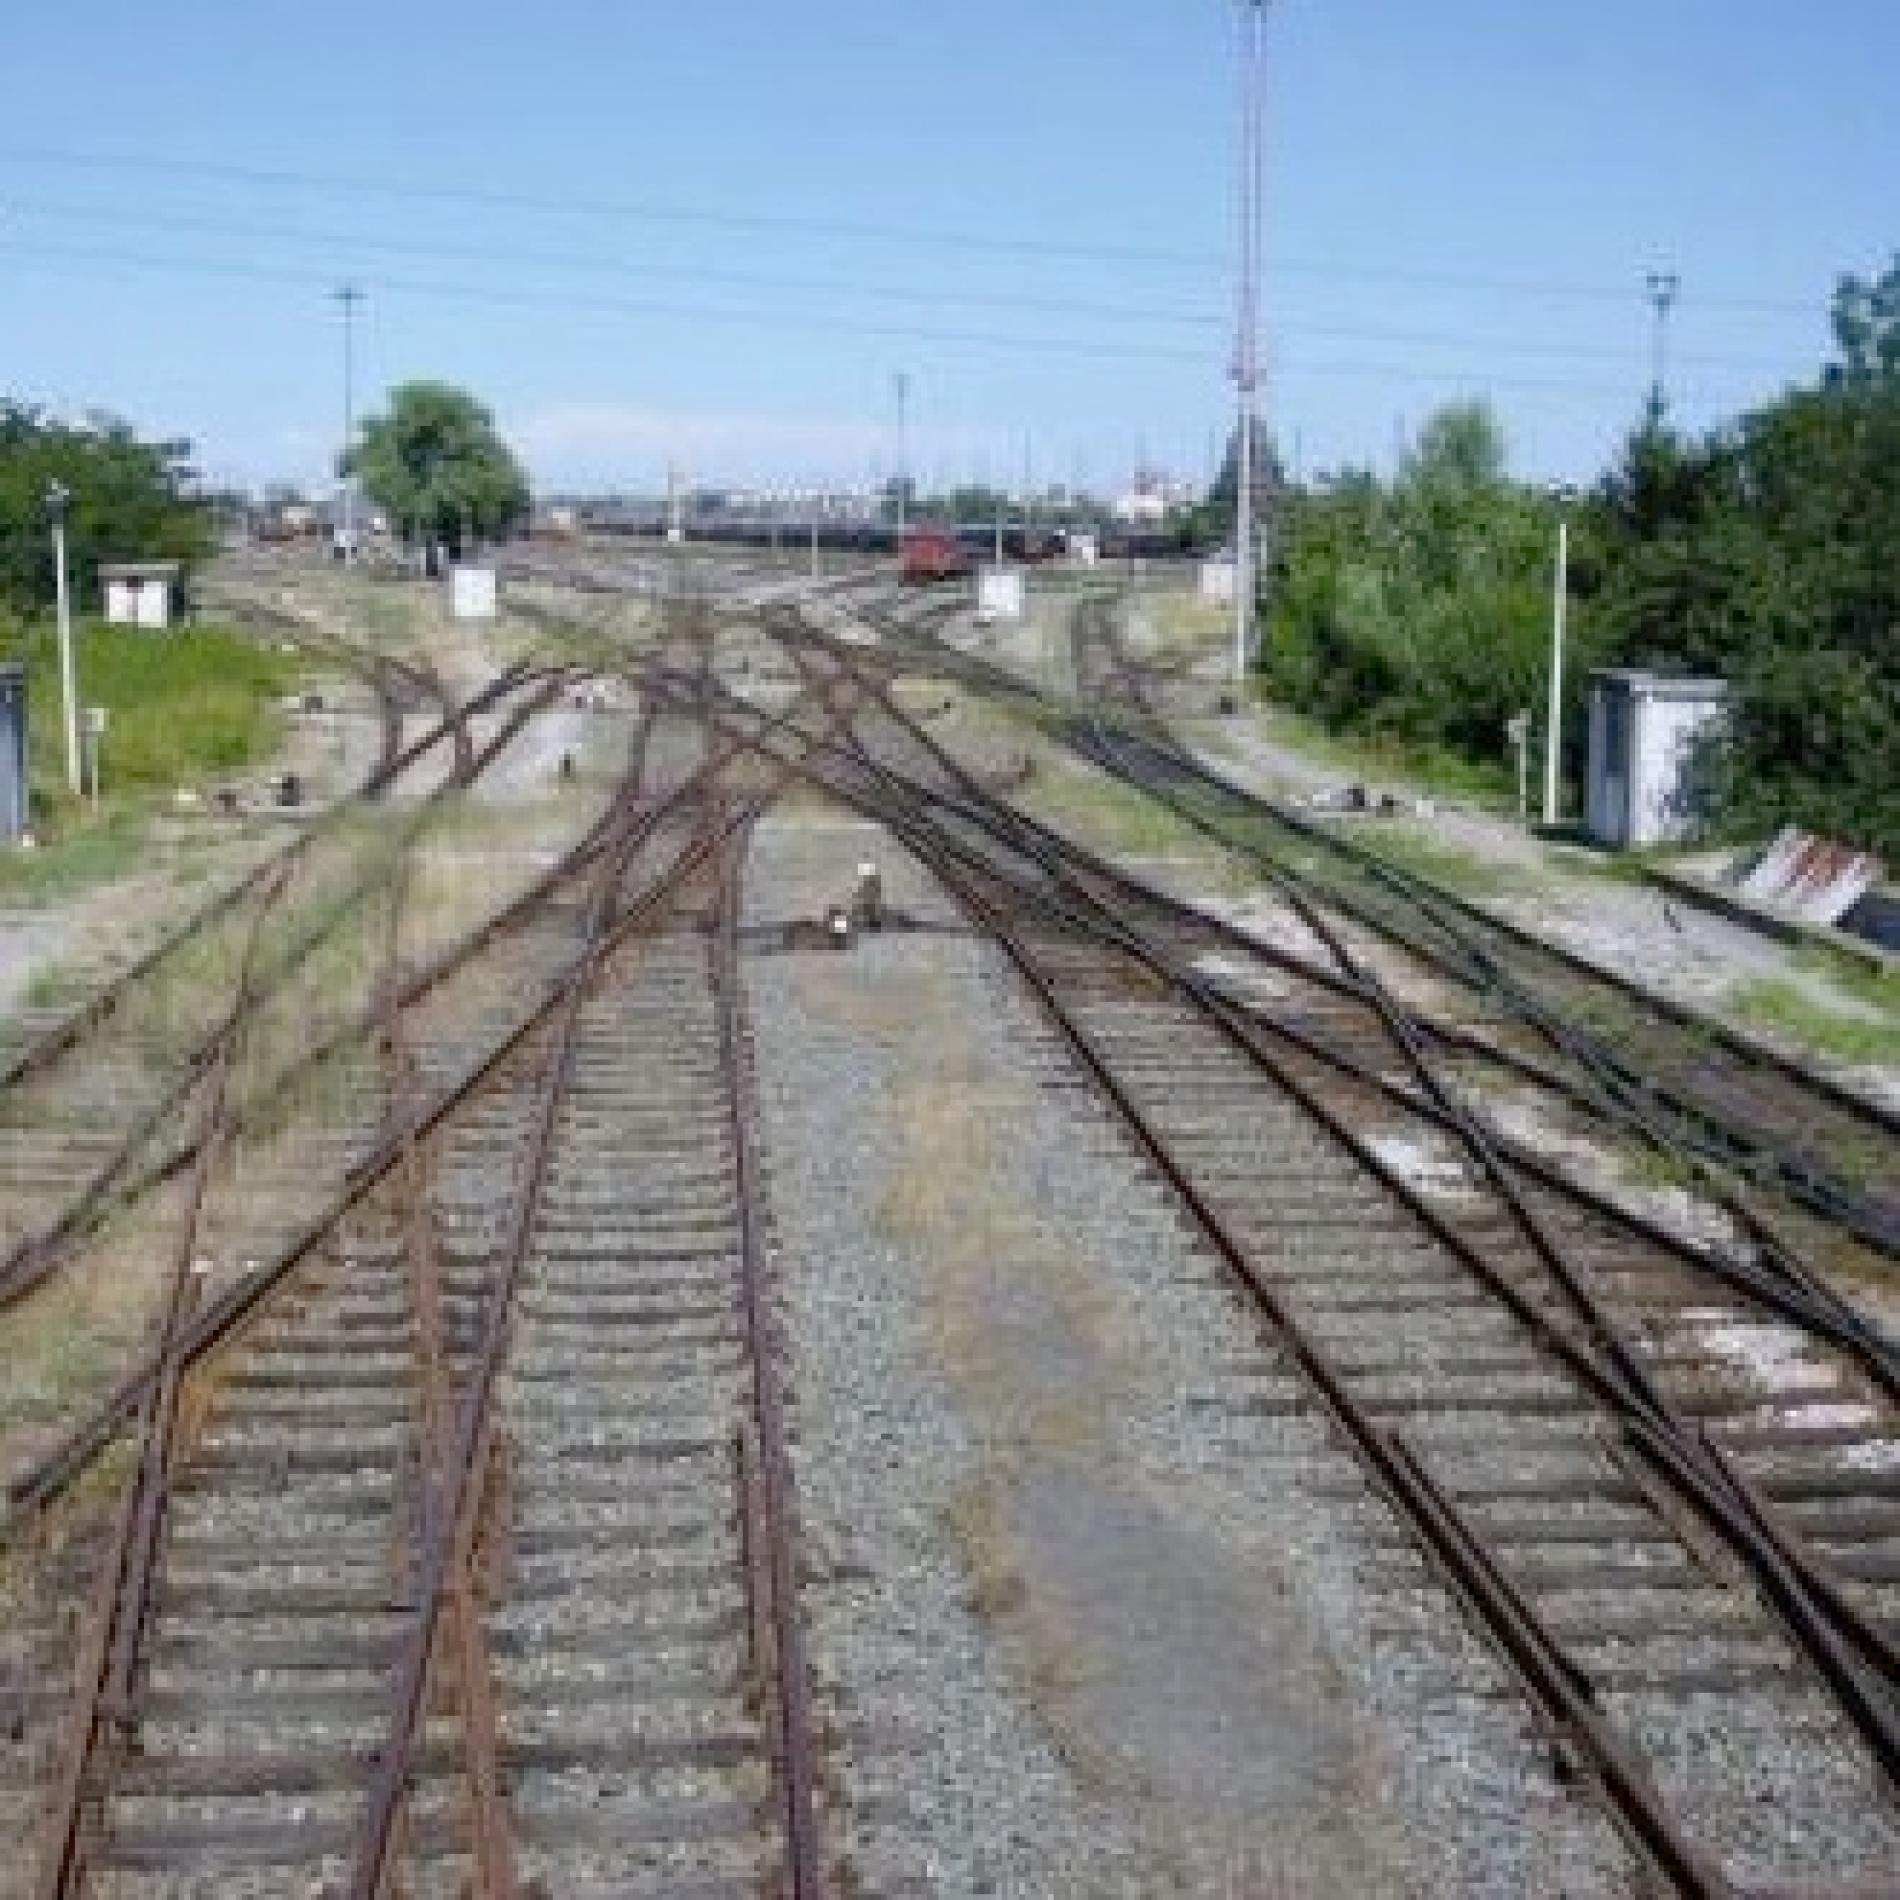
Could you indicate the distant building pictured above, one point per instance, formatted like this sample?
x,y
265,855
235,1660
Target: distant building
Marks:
x,y
1140,508
138,593
1150,499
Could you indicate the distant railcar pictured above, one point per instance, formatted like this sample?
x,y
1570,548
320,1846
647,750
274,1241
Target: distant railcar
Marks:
x,y
933,554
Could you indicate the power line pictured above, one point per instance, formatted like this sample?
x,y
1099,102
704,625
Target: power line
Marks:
x,y
331,242
585,303
593,261
642,211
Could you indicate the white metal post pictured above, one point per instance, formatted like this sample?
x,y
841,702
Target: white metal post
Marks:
x,y
56,498
1553,725
349,297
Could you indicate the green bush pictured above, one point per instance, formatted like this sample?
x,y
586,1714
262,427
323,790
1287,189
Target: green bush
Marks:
x,y
1418,610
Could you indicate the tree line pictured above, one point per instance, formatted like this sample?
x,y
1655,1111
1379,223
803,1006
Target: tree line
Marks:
x,y
433,462
1766,550
128,499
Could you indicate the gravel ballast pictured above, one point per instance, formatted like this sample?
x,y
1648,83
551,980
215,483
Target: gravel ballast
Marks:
x,y
1084,1587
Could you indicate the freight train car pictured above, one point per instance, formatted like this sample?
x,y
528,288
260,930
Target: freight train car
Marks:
x,y
934,554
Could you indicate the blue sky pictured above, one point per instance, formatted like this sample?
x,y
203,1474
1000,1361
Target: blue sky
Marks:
x,y
641,230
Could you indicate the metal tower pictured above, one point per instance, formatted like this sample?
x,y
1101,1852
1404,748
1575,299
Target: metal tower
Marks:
x,y
1247,341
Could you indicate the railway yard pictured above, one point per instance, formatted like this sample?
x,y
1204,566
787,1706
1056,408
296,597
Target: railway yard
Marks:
x,y
771,1251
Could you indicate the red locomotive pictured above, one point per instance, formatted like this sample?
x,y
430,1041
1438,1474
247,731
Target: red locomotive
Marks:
x,y
933,554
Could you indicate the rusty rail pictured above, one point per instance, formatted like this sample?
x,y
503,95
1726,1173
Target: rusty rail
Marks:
x,y
775,1560
57,1040
36,1258
33,1489
106,1689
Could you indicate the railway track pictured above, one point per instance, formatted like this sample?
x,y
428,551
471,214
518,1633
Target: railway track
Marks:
x,y
471,1562
1691,1083
1801,1163
95,1103
472,1553
1692,1585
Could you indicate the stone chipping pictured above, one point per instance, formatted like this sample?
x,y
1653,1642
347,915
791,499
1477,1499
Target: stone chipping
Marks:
x,y
1080,1552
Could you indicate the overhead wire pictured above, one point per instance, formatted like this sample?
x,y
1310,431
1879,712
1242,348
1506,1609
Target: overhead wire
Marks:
x,y
781,320
648,211
1068,344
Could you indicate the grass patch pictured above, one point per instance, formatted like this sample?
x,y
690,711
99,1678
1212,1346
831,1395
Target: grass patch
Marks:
x,y
1431,858
1103,812
1781,1004
78,855
183,707
1877,989
1371,758
1183,628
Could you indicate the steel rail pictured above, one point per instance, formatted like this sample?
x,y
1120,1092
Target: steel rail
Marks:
x,y
36,1257
1635,1094
455,1519
105,1686
49,1047
1821,1620
1085,732
1701,1134
791,1680
1434,901
490,1838
1557,1687
1779,1281
453,1484
1818,1617
1824,1624
1778,1275
1797,1296
33,1489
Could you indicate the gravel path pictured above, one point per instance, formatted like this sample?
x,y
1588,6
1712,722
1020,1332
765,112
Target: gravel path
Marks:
x,y
1086,1619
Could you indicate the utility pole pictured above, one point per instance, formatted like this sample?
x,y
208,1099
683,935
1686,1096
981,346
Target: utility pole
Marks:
x,y
1665,286
57,496
901,382
349,296
1247,343
1553,724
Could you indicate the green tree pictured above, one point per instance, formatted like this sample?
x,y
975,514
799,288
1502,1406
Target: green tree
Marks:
x,y
1417,610
1765,552
1867,329
437,467
1269,479
1460,451
129,500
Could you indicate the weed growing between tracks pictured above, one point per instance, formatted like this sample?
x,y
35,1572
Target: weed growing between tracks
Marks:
x,y
1411,849
1374,761
1784,1005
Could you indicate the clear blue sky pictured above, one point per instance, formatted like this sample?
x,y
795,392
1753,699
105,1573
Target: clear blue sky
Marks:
x,y
718,230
